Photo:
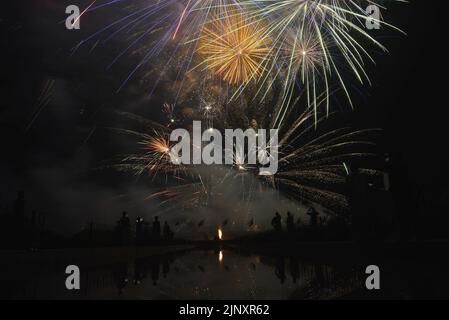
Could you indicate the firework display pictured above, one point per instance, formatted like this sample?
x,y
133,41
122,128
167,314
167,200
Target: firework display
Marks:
x,y
255,64
223,150
198,150
311,46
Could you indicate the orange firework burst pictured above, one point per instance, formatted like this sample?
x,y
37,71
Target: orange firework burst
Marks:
x,y
235,48
159,145
158,148
157,157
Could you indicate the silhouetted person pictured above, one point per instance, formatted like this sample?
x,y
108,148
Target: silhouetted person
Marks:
x,y
156,229
139,230
41,220
124,226
167,231
276,222
313,217
146,232
253,267
290,223
91,233
322,221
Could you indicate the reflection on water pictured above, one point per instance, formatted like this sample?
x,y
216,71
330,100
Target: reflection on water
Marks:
x,y
197,275
200,275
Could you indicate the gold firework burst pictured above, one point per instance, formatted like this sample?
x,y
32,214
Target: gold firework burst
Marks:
x,y
234,48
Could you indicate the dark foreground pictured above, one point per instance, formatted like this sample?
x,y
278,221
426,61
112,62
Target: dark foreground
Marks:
x,y
229,270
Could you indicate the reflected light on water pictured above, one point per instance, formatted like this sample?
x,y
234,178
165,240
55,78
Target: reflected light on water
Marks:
x,y
220,256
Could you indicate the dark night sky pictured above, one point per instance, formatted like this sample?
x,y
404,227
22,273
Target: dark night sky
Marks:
x,y
51,161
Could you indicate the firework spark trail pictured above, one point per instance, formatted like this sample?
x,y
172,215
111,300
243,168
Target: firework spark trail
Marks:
x,y
311,167
83,12
42,101
148,31
181,18
152,13
156,50
145,59
99,6
250,48
325,31
102,30
332,22
135,22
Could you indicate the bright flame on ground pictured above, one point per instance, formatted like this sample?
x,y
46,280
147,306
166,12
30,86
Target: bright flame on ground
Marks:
x,y
220,234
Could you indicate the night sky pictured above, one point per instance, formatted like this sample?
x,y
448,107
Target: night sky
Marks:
x,y
52,155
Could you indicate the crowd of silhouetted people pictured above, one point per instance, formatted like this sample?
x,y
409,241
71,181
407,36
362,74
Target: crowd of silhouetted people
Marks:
x,y
292,227
144,234
29,231
376,207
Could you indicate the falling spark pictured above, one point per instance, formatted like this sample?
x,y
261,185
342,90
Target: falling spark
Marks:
x,y
82,13
181,19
